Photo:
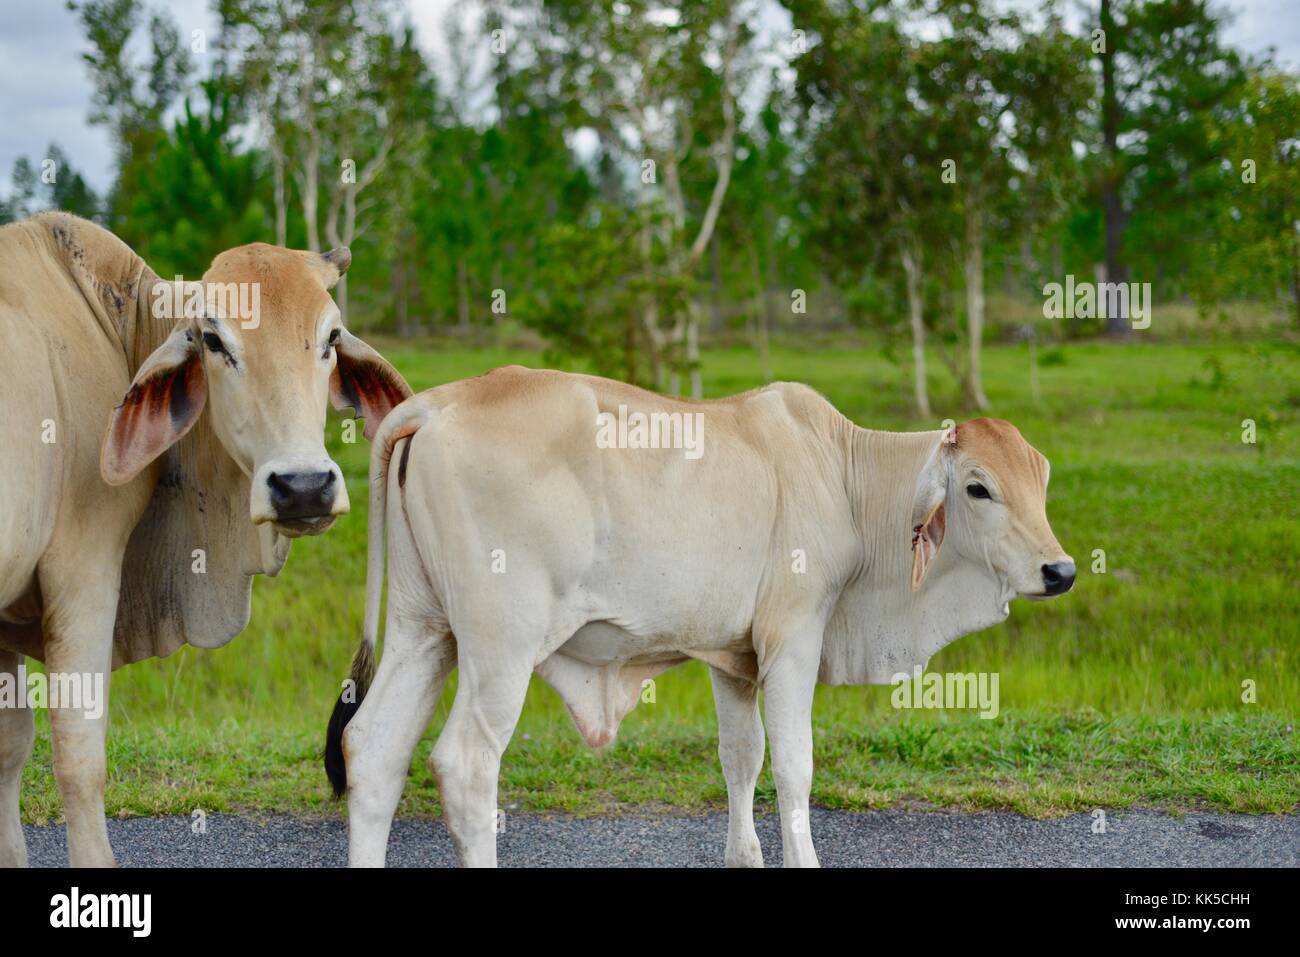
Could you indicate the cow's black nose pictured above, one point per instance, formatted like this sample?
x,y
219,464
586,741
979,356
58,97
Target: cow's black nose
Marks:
x,y
301,494
1058,577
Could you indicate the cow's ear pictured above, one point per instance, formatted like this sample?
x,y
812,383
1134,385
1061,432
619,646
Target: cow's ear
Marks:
x,y
363,380
163,403
928,523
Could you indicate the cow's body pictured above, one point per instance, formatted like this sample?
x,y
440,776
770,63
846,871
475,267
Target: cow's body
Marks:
x,y
93,574
517,543
65,312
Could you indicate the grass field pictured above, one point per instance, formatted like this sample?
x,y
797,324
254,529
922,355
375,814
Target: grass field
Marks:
x,y
1126,692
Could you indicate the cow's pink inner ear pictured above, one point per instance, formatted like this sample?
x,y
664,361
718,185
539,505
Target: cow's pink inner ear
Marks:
x,y
926,539
363,381
156,413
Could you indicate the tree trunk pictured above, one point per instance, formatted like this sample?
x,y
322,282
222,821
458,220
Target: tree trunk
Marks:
x,y
912,267
399,297
462,293
974,256
650,308
281,201
310,179
1295,275
693,350
309,194
715,271
1112,201
762,322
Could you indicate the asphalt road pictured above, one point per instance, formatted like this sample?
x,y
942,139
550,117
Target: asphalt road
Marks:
x,y
844,838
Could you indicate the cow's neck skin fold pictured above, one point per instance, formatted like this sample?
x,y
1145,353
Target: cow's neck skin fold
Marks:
x,y
199,503
880,627
198,515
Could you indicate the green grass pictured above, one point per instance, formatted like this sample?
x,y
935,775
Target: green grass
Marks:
x,y
1128,691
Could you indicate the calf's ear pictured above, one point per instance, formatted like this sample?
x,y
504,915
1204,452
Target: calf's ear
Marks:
x,y
928,522
363,380
163,403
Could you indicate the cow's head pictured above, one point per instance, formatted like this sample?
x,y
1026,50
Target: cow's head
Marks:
x,y
263,352
983,492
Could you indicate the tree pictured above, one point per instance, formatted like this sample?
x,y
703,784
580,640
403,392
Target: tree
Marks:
x,y
335,87
57,186
640,74
68,189
131,98
1164,72
763,225
201,195
871,175
1253,241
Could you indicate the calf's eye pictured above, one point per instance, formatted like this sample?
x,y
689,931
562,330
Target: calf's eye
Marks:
x,y
213,342
976,490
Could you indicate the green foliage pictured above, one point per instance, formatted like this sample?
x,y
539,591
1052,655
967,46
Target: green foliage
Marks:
x,y
63,188
587,296
199,196
839,147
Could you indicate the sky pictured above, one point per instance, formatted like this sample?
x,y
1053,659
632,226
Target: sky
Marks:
x,y
45,93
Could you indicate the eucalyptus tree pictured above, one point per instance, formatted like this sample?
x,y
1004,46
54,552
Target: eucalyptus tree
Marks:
x,y
338,83
875,174
658,81
132,93
1166,76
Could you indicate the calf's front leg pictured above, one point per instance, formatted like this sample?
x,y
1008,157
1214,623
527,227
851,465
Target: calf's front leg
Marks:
x,y
788,689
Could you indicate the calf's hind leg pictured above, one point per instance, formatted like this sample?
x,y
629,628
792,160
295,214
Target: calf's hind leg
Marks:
x,y
382,735
740,748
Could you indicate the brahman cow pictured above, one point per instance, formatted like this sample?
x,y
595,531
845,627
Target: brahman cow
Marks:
x,y
121,546
542,521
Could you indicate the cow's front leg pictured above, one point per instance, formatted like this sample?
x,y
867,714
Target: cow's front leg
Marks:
x,y
79,655
740,748
17,732
788,690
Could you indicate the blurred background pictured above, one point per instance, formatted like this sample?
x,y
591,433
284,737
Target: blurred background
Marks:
x,y
877,198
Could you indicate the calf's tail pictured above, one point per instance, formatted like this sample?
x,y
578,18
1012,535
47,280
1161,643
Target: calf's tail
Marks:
x,y
397,425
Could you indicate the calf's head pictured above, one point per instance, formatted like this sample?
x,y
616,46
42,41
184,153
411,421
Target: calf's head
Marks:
x,y
983,493
263,351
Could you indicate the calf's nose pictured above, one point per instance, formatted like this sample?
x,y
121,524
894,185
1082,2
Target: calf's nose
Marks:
x,y
301,494
1058,578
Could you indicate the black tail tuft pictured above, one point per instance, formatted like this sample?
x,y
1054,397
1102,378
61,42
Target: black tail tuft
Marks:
x,y
336,768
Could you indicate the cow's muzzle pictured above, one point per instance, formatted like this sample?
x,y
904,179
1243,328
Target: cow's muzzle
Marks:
x,y
299,495
299,499
1058,578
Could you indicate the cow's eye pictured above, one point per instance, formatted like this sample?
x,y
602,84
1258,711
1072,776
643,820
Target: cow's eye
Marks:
x,y
331,344
214,343
976,490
